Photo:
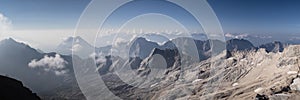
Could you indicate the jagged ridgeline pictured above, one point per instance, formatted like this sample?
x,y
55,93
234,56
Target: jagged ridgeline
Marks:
x,y
239,62
265,71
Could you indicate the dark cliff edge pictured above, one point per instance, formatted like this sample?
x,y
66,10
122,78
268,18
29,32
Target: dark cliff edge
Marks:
x,y
12,89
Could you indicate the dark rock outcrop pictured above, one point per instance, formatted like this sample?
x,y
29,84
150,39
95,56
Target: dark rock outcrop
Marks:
x,y
203,48
141,48
261,97
239,45
275,46
105,67
11,89
135,62
168,54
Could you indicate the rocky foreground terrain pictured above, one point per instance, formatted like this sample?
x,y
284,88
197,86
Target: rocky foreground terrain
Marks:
x,y
250,75
240,75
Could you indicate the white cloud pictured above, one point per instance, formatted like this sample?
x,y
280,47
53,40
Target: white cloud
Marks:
x,y
99,57
55,64
76,48
119,41
5,23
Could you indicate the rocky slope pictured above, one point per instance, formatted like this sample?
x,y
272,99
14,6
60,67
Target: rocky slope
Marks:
x,y
242,72
253,74
245,75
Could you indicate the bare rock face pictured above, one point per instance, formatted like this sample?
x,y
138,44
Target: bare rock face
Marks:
x,y
295,85
245,75
11,89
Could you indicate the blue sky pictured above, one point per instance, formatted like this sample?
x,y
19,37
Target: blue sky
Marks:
x,y
133,9
56,19
258,16
43,14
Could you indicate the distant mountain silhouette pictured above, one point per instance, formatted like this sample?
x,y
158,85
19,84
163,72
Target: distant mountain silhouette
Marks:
x,y
239,45
275,46
203,48
261,39
77,45
141,47
80,47
12,89
170,55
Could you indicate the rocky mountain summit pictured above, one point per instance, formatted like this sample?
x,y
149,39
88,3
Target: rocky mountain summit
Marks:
x,y
154,71
245,75
252,74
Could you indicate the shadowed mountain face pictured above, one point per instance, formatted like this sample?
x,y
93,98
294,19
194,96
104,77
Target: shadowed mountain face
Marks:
x,y
76,45
141,47
260,39
72,43
80,47
273,47
169,55
239,45
16,51
141,50
11,89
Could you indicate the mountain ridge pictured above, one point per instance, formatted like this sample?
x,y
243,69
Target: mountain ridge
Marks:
x,y
12,89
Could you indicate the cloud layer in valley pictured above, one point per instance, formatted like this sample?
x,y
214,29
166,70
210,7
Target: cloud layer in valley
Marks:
x,y
54,64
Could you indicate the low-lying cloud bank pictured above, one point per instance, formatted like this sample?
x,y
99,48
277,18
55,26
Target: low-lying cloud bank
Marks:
x,y
54,64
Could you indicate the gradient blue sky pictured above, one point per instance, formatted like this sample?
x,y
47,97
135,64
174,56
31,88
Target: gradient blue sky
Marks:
x,y
34,19
137,8
43,14
257,16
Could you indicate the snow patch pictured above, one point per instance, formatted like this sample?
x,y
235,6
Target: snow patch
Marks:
x,y
235,84
292,72
259,90
196,81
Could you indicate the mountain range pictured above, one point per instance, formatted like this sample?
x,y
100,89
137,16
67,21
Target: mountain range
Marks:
x,y
260,39
268,71
35,70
